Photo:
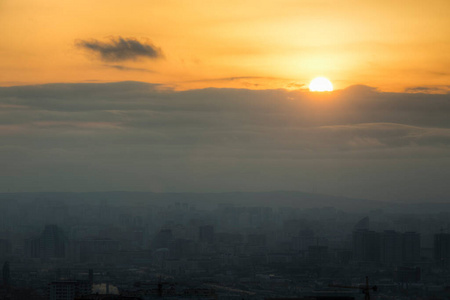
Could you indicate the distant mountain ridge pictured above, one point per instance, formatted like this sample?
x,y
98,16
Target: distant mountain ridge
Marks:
x,y
295,199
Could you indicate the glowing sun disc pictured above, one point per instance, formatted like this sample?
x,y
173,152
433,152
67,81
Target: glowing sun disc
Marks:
x,y
320,84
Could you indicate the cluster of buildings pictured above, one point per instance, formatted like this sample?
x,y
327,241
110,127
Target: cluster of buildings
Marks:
x,y
173,250
234,250
388,247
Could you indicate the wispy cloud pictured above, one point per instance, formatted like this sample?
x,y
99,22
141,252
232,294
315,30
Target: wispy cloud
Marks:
x,y
254,81
125,68
121,49
429,89
236,78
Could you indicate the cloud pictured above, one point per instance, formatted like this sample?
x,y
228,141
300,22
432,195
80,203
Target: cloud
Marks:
x,y
429,89
121,49
254,81
236,78
123,135
125,68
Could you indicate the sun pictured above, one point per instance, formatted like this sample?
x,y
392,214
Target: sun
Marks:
x,y
320,84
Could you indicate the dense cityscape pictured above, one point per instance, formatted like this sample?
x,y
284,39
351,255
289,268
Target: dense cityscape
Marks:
x,y
99,246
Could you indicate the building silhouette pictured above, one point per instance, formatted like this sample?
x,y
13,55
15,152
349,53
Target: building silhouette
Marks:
x,y
391,247
411,247
362,224
5,247
366,245
442,249
163,238
69,290
52,243
206,234
400,248
6,276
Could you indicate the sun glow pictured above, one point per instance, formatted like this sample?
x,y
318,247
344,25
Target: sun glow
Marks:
x,y
320,84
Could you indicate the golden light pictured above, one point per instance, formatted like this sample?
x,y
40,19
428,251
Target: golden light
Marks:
x,y
320,84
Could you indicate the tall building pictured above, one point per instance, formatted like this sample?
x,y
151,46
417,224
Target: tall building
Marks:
x,y
52,243
306,238
163,239
442,249
391,247
91,276
400,248
206,234
256,239
318,254
69,290
366,245
6,276
411,247
407,274
362,224
97,249
5,247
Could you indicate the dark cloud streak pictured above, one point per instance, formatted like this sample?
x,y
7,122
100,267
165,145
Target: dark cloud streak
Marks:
x,y
125,68
121,49
429,89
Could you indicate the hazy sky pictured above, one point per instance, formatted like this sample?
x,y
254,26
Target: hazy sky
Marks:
x,y
136,136
392,45
211,96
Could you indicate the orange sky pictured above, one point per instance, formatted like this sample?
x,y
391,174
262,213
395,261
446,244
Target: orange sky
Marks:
x,y
392,45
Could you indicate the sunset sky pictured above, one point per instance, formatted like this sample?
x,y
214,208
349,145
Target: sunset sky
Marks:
x,y
174,96
392,45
